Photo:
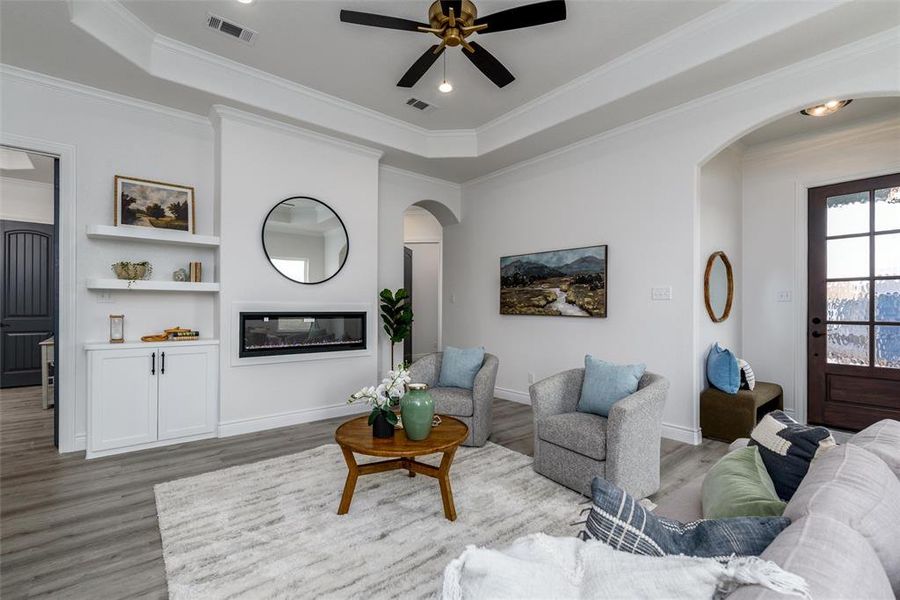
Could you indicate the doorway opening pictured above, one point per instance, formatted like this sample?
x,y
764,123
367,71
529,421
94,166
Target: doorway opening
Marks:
x,y
422,278
29,277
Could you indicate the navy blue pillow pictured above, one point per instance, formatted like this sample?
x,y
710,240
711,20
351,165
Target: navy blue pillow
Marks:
x,y
618,520
787,448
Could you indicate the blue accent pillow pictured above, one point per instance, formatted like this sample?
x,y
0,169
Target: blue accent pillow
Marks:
x,y
606,383
722,369
618,520
459,367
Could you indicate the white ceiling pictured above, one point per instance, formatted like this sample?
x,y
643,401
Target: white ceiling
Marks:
x,y
797,125
43,171
305,42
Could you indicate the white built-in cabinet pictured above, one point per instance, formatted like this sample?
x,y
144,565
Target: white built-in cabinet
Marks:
x,y
147,395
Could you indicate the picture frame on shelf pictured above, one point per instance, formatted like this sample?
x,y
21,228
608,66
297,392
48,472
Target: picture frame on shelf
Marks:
x,y
153,204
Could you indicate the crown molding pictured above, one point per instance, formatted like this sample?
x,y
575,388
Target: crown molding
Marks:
x,y
887,43
419,176
218,112
15,73
714,34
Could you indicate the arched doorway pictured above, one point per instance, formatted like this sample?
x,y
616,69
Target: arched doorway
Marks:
x,y
423,280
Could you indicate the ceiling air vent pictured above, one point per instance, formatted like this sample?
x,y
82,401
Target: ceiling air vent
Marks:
x,y
248,36
419,104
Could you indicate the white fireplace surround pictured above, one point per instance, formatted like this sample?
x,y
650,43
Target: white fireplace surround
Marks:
x,y
237,308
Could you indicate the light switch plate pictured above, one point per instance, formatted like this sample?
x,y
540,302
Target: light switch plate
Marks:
x,y
661,293
104,298
783,296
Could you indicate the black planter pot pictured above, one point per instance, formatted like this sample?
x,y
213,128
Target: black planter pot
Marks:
x,y
381,427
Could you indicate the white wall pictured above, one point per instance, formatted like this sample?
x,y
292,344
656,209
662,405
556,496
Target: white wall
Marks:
x,y
719,207
24,200
776,177
261,163
119,137
635,188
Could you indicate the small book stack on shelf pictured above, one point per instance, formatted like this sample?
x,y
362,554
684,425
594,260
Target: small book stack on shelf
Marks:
x,y
195,272
180,334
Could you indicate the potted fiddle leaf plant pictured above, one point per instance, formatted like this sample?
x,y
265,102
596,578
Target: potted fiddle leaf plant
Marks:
x,y
382,398
396,315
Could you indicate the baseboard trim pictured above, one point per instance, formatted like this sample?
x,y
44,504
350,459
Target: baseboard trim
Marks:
x,y
682,434
512,395
80,442
286,419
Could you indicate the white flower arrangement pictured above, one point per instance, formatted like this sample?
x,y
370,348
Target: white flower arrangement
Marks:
x,y
387,394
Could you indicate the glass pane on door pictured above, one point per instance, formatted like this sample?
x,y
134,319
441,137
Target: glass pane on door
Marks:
x,y
887,254
848,257
848,344
848,301
887,346
887,300
887,209
848,214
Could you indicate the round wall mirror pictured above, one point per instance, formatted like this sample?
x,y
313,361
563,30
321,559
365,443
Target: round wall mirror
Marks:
x,y
718,287
305,240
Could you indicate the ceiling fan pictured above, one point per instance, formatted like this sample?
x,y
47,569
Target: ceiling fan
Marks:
x,y
455,20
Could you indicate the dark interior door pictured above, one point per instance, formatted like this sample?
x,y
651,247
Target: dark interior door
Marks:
x,y
854,303
27,301
408,286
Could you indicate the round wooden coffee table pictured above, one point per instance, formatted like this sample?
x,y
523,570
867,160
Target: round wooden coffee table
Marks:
x,y
356,436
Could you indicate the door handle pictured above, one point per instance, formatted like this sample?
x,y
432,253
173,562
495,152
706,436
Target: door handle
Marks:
x,y
816,334
153,364
816,320
162,369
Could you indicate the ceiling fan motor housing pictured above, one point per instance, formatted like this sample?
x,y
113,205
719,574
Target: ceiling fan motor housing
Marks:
x,y
452,34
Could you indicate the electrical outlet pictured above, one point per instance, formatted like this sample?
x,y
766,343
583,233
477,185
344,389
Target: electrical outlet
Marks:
x,y
661,293
452,298
104,298
783,296
530,378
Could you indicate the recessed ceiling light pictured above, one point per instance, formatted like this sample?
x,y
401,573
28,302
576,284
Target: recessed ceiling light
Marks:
x,y
246,1
827,108
15,160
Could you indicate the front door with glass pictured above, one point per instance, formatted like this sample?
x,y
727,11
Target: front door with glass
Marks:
x,y
854,303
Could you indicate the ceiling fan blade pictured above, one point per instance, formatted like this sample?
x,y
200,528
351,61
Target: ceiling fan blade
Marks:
x,y
373,20
524,16
419,67
490,66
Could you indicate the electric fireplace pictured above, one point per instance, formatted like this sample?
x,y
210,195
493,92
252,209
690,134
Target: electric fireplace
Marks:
x,y
275,333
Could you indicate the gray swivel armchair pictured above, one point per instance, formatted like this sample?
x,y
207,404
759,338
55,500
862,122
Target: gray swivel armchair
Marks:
x,y
473,407
572,447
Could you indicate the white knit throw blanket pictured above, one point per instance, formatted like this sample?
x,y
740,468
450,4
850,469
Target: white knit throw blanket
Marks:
x,y
544,567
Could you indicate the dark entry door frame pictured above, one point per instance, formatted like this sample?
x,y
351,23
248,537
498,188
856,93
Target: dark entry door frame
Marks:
x,y
848,386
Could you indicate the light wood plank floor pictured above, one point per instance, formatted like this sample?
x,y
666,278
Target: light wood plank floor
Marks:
x,y
72,528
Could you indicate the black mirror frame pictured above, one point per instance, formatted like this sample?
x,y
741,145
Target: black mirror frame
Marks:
x,y
269,258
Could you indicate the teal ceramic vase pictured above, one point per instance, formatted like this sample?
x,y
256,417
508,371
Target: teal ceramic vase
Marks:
x,y
417,412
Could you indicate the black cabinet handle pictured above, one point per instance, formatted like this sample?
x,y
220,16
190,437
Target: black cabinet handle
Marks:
x,y
163,368
153,364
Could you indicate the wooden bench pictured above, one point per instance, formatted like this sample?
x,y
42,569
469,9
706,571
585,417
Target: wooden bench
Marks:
x,y
727,417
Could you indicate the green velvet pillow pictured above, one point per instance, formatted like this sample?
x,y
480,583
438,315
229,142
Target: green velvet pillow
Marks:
x,y
739,486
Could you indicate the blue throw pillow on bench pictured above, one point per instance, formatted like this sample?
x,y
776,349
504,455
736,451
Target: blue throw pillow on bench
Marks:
x,y
618,520
722,369
459,366
606,383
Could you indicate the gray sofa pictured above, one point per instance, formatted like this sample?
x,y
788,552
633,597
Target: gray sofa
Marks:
x,y
572,448
473,407
844,538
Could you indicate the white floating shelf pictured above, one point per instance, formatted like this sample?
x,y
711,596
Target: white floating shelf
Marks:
x,y
152,236
132,344
151,285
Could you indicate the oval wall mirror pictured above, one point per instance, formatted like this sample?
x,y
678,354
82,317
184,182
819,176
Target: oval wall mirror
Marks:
x,y
718,287
305,240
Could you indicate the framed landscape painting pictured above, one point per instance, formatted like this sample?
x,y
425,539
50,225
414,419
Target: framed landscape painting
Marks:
x,y
144,203
564,283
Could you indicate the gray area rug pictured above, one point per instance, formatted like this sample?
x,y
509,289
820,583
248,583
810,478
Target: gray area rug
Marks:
x,y
270,529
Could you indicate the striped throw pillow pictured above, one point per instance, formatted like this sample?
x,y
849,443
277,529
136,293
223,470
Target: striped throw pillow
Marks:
x,y
748,379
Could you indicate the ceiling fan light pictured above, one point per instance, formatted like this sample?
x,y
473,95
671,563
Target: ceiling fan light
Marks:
x,y
827,108
445,87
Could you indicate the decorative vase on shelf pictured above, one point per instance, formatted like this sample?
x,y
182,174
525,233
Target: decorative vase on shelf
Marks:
x,y
417,412
381,427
